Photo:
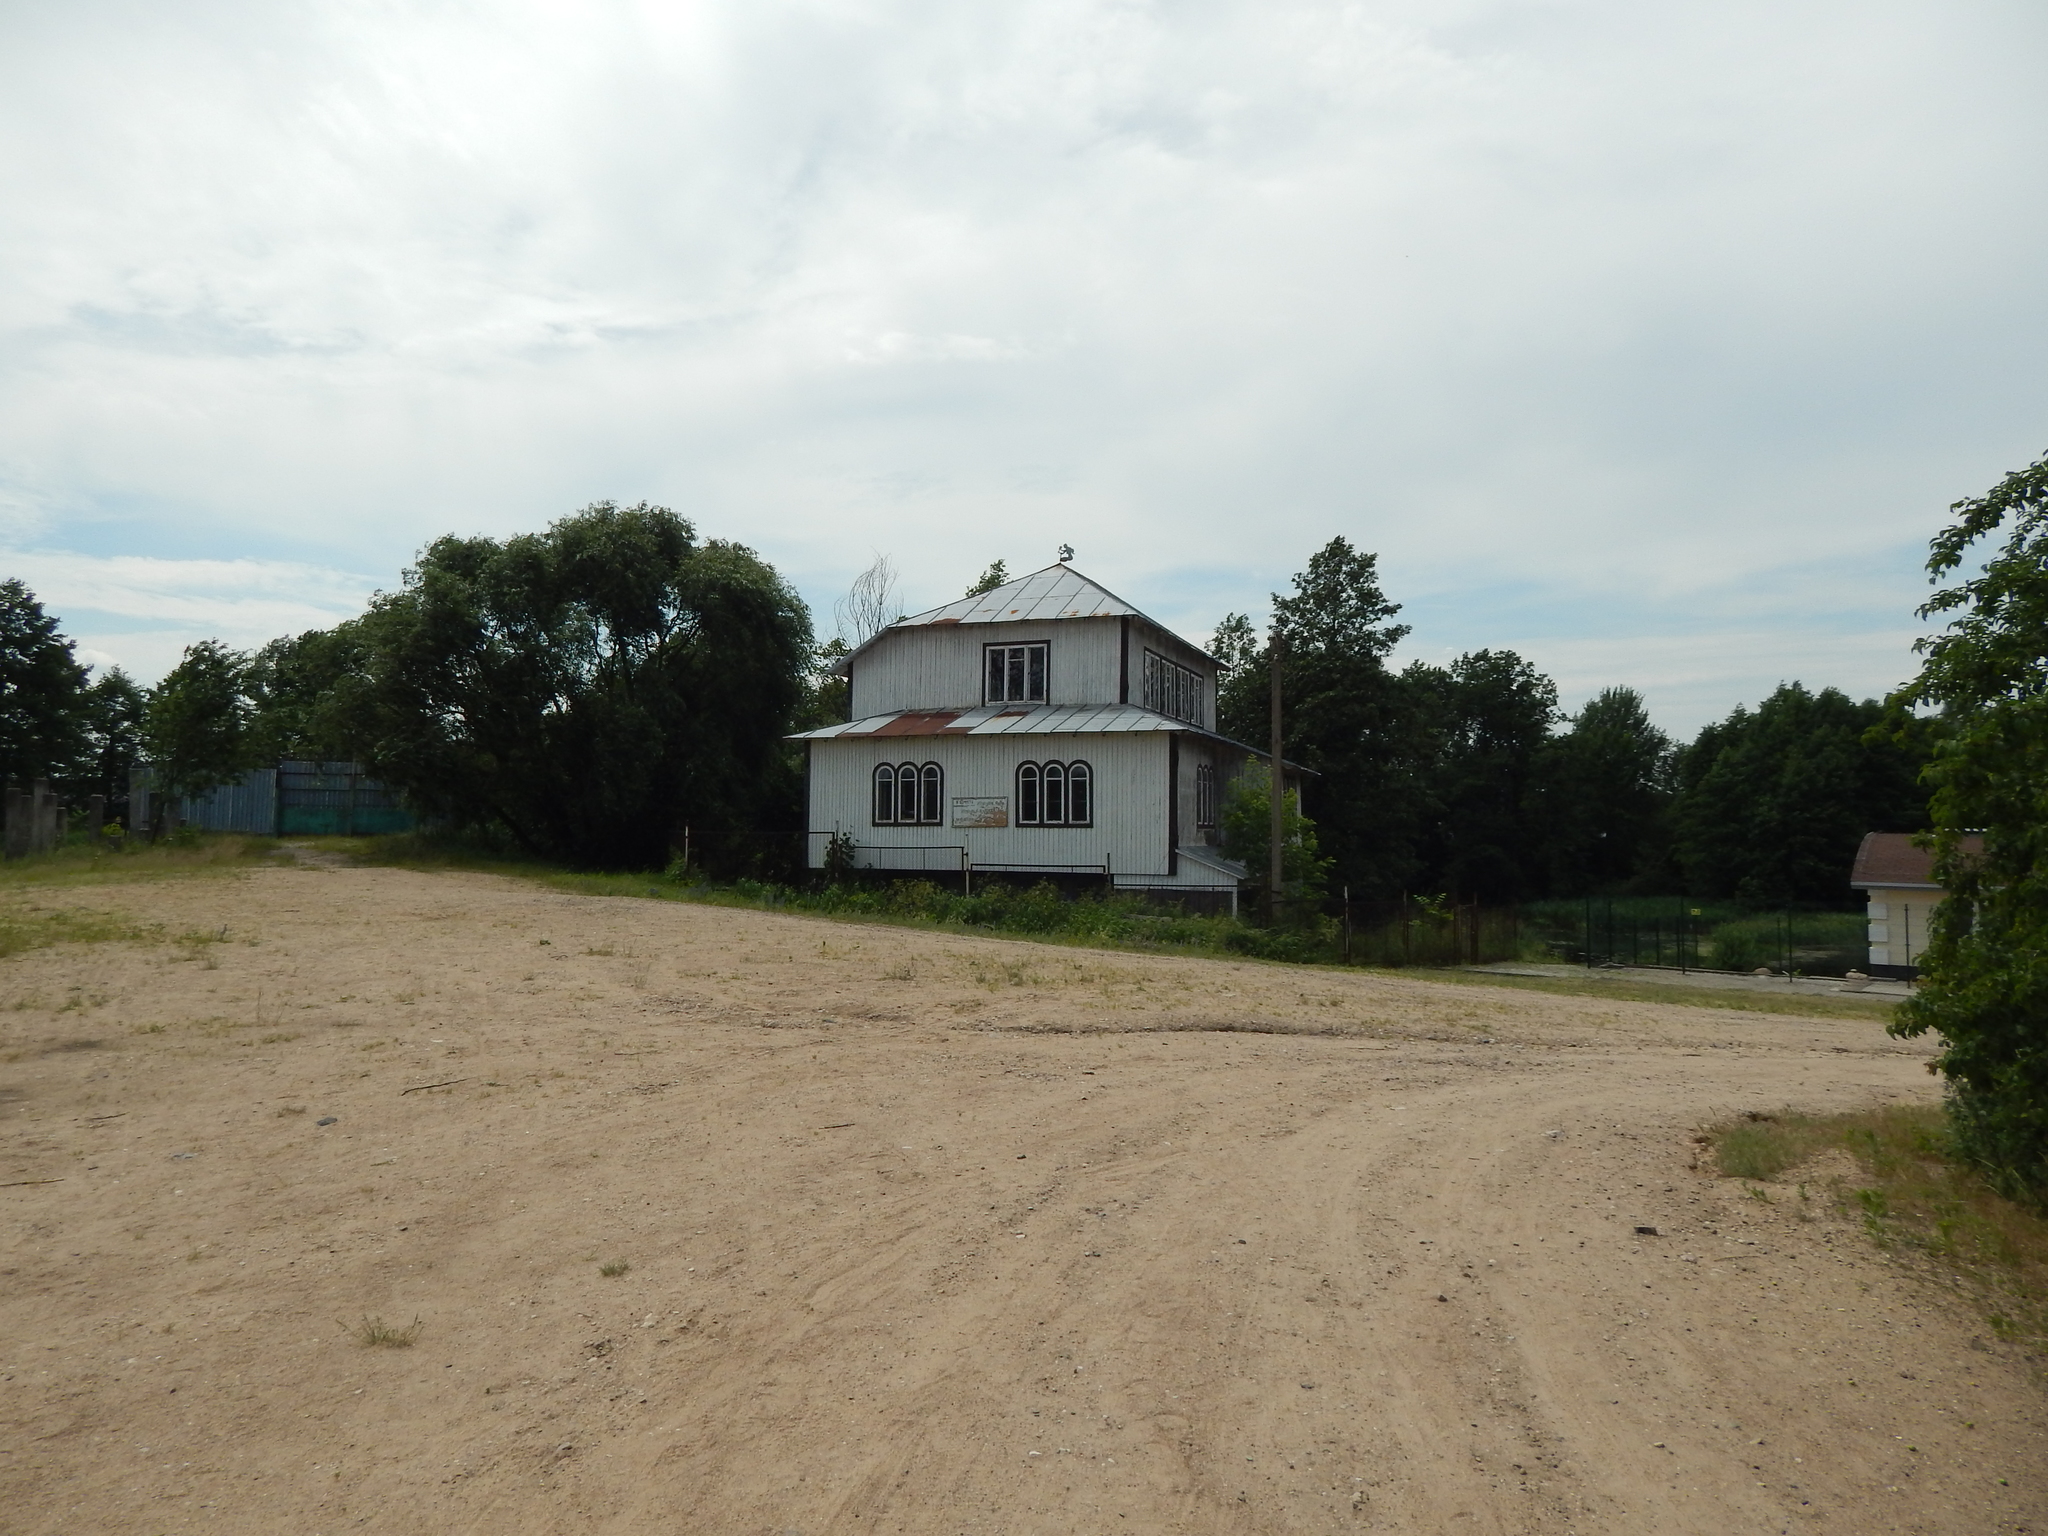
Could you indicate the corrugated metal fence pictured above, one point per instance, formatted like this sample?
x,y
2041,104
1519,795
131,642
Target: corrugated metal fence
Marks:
x,y
295,798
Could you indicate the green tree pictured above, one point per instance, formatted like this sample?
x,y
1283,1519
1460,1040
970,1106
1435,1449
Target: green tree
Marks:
x,y
591,689
1345,715
995,576
307,691
1486,720
1984,977
112,717
198,723
828,699
1606,797
42,687
1772,802
1247,827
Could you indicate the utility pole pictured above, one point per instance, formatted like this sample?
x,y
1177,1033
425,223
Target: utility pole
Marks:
x,y
1276,850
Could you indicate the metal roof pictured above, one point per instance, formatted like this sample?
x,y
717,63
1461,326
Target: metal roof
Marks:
x,y
1023,720
1057,592
1005,720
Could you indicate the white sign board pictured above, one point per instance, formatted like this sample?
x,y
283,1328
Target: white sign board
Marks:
x,y
981,810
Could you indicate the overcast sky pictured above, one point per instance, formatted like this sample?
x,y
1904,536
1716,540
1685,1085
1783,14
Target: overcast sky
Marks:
x,y
1650,341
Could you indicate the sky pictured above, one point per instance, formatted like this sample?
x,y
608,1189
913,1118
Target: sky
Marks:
x,y
1650,342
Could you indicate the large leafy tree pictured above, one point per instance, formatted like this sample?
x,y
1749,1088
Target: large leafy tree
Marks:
x,y
1487,720
307,690
1773,801
1984,978
198,724
1606,793
112,716
589,690
42,688
1345,714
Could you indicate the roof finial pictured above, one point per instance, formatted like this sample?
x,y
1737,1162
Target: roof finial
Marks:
x,y
1066,553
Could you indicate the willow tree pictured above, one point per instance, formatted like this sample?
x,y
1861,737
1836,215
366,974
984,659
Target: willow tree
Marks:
x,y
589,690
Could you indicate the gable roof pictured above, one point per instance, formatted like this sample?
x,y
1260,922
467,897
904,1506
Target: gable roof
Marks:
x,y
1890,859
1057,592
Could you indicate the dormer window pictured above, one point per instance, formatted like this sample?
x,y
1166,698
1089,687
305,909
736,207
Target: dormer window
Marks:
x,y
1015,673
1171,689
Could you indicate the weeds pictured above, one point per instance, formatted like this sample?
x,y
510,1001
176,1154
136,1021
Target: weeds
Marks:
x,y
1920,1199
375,1333
24,927
614,1269
78,862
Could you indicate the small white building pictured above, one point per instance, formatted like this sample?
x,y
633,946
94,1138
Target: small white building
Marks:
x,y
1897,881
1043,729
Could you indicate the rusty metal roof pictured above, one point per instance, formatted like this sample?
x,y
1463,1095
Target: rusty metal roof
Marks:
x,y
1028,720
1890,859
1005,720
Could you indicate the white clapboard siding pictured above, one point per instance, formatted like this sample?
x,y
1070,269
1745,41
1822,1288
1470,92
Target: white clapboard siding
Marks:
x,y
940,666
1129,837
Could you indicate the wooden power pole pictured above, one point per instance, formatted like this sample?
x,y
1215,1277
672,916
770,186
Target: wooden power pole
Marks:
x,y
1276,850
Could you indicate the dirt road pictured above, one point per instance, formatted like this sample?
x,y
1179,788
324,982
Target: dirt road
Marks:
x,y
925,1234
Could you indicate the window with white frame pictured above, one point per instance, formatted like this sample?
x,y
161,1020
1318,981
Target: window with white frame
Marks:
x,y
1015,674
1205,795
1055,795
1171,689
909,795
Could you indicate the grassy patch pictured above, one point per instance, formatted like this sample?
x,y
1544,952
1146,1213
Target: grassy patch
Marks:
x,y
614,1269
1914,1198
25,926
79,863
1825,1005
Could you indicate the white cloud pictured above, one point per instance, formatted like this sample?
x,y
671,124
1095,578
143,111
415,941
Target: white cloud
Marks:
x,y
1639,309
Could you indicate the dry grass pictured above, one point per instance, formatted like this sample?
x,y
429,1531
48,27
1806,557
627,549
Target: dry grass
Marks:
x,y
614,1269
375,1333
1914,1198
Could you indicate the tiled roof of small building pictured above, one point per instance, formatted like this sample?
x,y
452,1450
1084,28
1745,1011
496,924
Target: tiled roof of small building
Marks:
x,y
1890,859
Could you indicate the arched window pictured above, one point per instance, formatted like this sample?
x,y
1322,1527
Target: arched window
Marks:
x,y
1055,795
885,796
906,794
1205,795
932,803
1030,811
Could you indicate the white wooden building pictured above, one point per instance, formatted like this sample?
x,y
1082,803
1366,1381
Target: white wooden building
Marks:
x,y
1898,885
1045,728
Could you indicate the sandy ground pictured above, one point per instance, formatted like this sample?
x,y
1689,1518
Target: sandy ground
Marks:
x,y
926,1234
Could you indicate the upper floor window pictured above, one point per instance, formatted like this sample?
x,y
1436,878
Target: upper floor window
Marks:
x,y
1015,673
1205,795
909,795
1055,795
1171,689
